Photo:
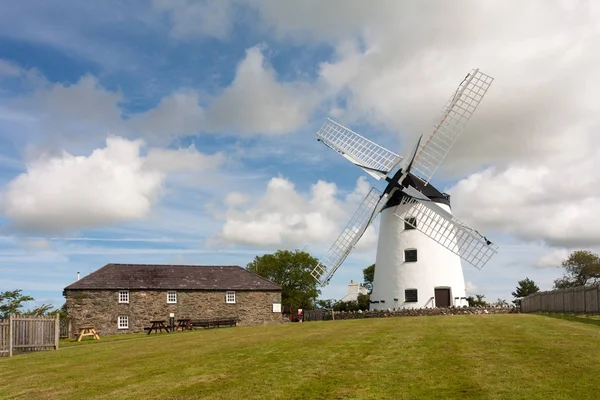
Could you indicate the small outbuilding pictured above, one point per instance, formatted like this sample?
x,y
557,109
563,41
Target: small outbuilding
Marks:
x,y
124,298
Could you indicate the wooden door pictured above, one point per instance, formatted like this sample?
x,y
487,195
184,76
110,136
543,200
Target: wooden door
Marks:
x,y
442,297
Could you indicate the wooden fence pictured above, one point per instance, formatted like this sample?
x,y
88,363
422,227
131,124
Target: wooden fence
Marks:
x,y
579,300
21,334
65,328
317,315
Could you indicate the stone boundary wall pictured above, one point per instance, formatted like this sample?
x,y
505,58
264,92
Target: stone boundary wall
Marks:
x,y
311,315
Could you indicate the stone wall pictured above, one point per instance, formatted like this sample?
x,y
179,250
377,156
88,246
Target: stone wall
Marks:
x,y
101,308
412,312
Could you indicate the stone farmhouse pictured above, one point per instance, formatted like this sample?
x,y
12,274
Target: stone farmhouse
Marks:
x,y
124,298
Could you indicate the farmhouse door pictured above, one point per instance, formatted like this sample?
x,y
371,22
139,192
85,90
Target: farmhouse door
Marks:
x,y
442,297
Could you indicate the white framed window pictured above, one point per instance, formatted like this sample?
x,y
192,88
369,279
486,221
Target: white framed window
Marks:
x,y
123,322
171,297
230,297
124,296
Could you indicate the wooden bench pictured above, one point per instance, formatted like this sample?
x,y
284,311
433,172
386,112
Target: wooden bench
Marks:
x,y
214,322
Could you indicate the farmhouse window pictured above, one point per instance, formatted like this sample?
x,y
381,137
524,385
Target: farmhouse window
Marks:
x,y
172,297
123,322
230,297
410,295
124,296
410,255
410,223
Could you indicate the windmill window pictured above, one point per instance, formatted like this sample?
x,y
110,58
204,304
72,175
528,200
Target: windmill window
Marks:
x,y
410,223
410,295
410,255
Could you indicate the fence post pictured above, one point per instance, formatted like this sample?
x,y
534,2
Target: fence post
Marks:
x,y
10,335
56,330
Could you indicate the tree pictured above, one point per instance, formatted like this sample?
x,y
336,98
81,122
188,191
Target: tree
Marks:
x,y
290,270
364,301
477,301
581,268
500,303
368,277
524,289
327,303
11,302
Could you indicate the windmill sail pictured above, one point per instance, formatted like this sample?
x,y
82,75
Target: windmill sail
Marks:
x,y
377,161
357,226
456,114
444,228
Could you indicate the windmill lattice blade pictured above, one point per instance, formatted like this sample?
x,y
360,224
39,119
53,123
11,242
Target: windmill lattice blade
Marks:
x,y
340,249
444,228
456,114
374,159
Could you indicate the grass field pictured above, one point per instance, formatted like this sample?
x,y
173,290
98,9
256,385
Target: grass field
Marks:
x,y
470,356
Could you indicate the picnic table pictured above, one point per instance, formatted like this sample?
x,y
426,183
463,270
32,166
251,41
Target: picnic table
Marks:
x,y
184,324
88,330
158,325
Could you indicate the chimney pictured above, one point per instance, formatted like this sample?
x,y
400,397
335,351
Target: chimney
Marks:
x,y
77,275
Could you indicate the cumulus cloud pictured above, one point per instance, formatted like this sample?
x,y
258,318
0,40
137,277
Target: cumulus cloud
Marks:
x,y
80,113
256,102
396,65
62,194
176,115
552,259
65,193
284,217
188,159
8,68
556,203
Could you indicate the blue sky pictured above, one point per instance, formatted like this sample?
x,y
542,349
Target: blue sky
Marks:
x,y
183,131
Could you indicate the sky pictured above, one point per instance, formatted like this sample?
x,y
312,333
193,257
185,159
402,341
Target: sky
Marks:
x,y
184,131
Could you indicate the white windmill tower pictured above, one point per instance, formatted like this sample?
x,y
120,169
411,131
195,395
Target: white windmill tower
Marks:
x,y
421,243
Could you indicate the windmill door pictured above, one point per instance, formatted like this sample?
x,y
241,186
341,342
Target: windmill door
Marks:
x,y
442,297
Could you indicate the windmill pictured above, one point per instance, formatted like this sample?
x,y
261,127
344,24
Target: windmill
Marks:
x,y
421,244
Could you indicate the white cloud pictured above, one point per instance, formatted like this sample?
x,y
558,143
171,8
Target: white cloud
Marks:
x,y
34,243
256,102
188,159
556,203
178,114
552,259
236,199
396,65
284,217
471,288
69,114
198,18
62,194
8,68
77,114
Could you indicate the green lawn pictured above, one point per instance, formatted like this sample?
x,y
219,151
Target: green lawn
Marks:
x,y
466,356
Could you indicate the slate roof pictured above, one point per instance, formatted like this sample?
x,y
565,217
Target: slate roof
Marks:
x,y
173,277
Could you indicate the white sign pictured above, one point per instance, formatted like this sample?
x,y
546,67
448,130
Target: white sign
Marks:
x,y
276,307
172,315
